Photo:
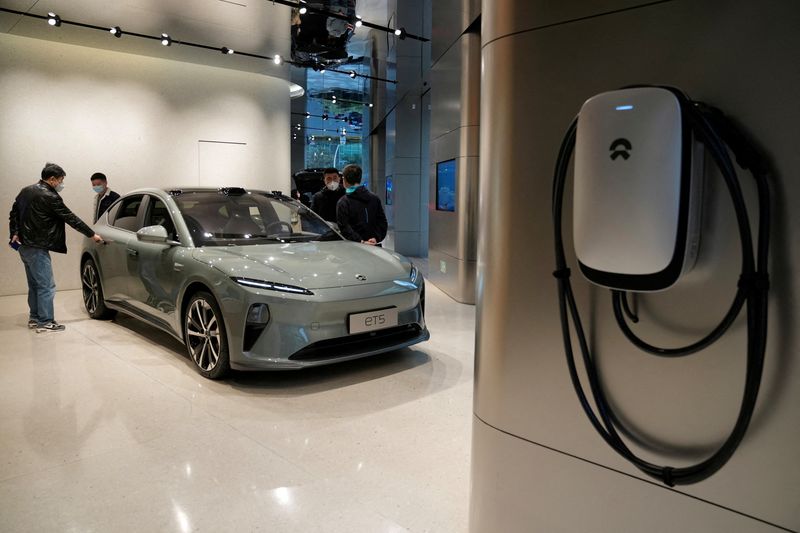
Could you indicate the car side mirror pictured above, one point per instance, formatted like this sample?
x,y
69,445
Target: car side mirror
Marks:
x,y
155,234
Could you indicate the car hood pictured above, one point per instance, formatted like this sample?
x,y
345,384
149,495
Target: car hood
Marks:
x,y
311,265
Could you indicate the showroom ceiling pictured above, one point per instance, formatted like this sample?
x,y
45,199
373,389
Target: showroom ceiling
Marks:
x,y
254,26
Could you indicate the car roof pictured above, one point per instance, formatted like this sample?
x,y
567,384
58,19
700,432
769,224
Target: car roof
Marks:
x,y
173,191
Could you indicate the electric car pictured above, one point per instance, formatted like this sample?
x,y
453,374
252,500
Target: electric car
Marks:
x,y
249,280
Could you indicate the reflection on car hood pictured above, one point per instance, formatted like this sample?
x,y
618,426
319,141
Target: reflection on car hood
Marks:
x,y
312,265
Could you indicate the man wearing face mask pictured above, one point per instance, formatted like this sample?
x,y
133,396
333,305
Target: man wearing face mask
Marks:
x,y
324,202
360,213
36,226
105,196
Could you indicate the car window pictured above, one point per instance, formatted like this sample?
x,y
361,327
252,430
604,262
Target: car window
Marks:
x,y
112,211
158,215
126,215
225,218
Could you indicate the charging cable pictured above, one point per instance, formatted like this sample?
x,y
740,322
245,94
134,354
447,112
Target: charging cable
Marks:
x,y
718,134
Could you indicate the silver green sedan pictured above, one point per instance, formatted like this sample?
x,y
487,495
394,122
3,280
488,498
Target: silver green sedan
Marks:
x,y
249,280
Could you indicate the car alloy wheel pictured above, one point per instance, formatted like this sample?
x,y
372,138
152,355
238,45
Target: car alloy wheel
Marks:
x,y
91,288
92,292
205,336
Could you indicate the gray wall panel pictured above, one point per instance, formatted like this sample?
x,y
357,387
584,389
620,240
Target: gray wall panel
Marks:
x,y
446,92
455,93
534,83
450,19
508,17
463,141
455,111
454,276
537,489
406,198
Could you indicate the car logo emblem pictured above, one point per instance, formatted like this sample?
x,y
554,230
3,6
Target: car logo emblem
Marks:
x,y
623,143
361,277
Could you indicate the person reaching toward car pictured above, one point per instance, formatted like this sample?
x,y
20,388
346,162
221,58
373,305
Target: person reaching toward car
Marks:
x,y
36,226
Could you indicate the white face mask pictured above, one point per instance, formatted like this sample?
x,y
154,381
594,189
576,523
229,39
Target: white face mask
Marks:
x,y
333,185
59,187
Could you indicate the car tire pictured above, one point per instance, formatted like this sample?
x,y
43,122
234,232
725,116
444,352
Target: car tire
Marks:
x,y
92,292
204,336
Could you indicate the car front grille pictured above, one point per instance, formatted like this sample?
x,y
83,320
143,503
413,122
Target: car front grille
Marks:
x,y
357,344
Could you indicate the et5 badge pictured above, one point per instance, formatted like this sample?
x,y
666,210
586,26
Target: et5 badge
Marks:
x,y
372,320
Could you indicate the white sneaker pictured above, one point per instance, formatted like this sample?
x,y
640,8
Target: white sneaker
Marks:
x,y
50,326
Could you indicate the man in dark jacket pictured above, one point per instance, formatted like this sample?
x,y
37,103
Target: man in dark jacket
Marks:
x,y
105,196
36,224
360,213
324,202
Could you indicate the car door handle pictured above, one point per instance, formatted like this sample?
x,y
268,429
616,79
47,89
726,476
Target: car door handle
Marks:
x,y
132,252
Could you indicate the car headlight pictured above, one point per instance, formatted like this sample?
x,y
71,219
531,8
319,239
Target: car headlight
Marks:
x,y
414,274
271,286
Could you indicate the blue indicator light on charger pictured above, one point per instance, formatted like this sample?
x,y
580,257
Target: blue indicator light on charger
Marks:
x,y
623,107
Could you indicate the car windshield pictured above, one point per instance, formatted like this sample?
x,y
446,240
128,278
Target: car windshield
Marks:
x,y
237,217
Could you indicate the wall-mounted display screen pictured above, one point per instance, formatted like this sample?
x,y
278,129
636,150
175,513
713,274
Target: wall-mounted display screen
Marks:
x,y
389,191
446,185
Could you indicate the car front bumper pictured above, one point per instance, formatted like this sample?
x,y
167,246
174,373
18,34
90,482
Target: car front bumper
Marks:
x,y
307,331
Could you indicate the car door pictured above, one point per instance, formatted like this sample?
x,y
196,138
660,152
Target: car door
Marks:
x,y
155,268
113,256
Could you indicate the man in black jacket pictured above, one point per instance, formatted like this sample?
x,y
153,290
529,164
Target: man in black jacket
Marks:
x,y
105,196
324,202
36,224
360,213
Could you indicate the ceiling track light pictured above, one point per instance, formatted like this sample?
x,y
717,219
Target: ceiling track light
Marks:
x,y
54,20
358,21
226,50
277,59
353,74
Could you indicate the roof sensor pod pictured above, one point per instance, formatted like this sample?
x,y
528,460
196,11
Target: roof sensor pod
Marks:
x,y
637,191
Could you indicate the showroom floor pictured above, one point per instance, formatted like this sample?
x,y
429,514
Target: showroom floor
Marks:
x,y
106,427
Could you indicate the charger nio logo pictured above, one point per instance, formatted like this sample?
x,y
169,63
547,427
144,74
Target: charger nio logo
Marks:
x,y
625,146
361,277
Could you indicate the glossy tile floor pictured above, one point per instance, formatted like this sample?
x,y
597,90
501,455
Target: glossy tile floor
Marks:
x,y
106,427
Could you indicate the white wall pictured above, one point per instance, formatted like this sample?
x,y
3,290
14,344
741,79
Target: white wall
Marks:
x,y
137,119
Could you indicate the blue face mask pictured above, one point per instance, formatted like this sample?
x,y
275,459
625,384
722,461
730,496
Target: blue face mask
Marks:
x,y
59,187
98,189
351,190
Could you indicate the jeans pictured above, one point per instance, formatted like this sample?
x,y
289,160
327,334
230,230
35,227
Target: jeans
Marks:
x,y
41,285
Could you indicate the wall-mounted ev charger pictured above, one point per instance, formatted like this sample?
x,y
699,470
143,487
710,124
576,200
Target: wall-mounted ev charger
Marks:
x,y
637,200
637,189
